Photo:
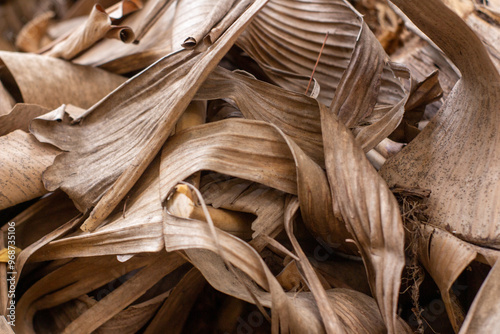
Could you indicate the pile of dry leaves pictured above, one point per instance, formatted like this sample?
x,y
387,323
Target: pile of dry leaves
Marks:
x,y
248,166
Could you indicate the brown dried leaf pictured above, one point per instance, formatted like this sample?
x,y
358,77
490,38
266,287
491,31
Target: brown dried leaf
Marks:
x,y
30,37
457,156
185,72
97,26
124,295
23,161
20,117
175,310
71,281
53,82
288,35
134,227
370,212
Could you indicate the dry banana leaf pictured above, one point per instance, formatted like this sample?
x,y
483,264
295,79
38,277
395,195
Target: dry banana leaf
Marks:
x,y
124,295
4,326
329,317
30,37
288,35
23,161
6,101
175,310
371,213
176,21
135,226
20,117
139,96
53,82
69,282
130,320
97,26
445,258
457,155
250,197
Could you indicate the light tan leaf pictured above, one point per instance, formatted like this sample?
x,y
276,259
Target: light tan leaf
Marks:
x,y
53,82
288,35
19,117
130,157
124,295
124,8
134,227
370,211
30,37
243,148
97,26
217,10
295,114
457,156
4,326
22,163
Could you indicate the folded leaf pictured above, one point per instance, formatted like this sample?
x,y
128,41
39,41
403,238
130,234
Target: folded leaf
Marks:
x,y
370,211
287,36
97,26
457,155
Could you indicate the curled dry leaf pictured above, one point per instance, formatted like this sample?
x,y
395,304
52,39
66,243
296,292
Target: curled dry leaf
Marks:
x,y
23,161
371,214
30,37
457,155
184,69
287,36
97,26
176,21
273,199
